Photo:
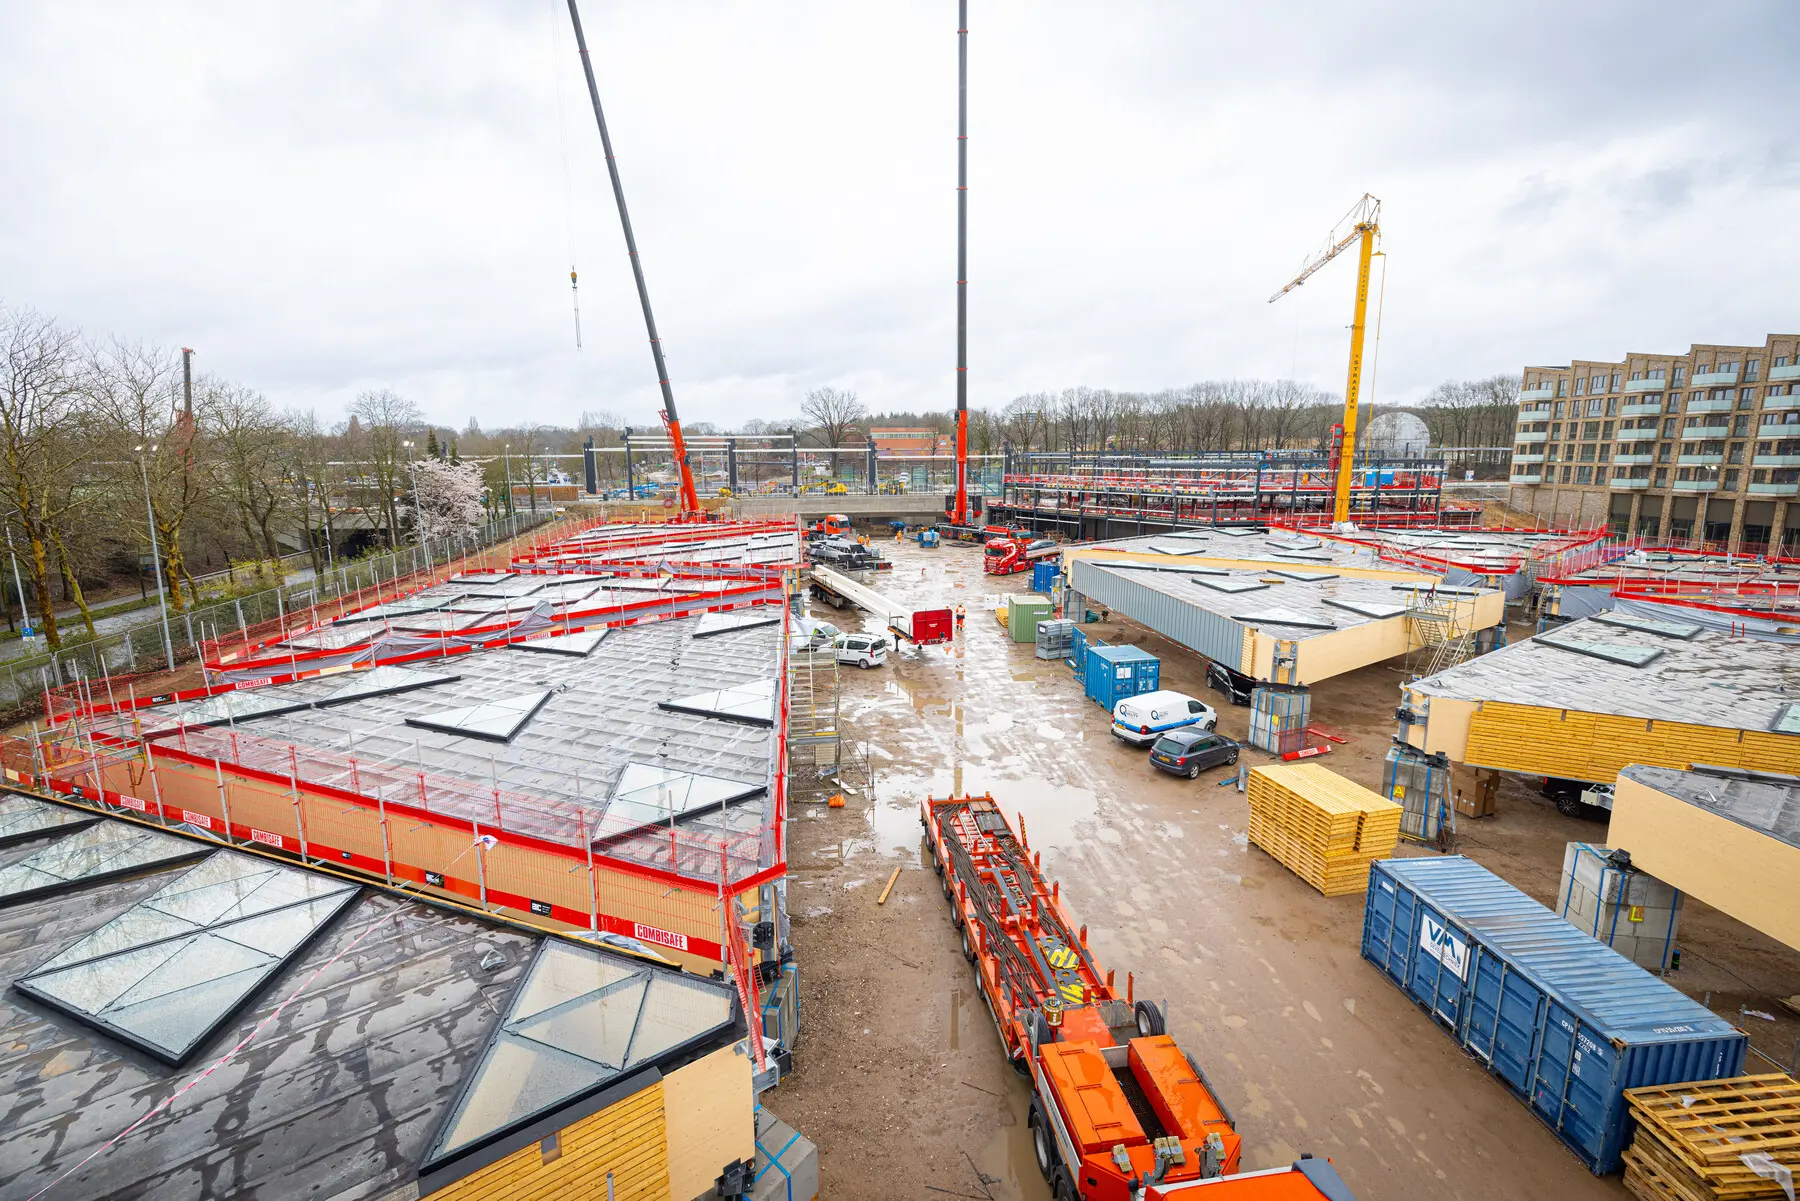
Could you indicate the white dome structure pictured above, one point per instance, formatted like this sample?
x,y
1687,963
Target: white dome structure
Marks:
x,y
1397,433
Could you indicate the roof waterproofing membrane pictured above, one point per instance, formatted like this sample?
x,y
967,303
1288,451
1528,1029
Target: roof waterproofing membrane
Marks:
x,y
1612,652
23,817
230,707
171,969
89,855
496,721
753,703
1685,630
580,1021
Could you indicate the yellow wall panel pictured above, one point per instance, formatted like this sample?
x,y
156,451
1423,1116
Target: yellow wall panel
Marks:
x,y
1588,746
626,1139
711,1110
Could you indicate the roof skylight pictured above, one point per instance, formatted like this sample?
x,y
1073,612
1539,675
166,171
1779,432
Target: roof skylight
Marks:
x,y
496,721
1364,607
580,644
649,794
90,855
383,681
242,706
22,817
1230,585
1684,630
1285,617
720,623
1611,652
752,703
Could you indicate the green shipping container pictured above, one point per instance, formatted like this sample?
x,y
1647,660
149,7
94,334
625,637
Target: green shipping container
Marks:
x,y
1023,614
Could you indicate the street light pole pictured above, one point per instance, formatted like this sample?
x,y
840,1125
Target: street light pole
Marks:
x,y
418,517
506,452
162,597
24,612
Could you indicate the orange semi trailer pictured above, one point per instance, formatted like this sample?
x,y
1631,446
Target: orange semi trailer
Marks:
x,y
1119,1112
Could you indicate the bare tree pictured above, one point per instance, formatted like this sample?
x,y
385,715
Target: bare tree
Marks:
x,y
834,413
248,443
386,419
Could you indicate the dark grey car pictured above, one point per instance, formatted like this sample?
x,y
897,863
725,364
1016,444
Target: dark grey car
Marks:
x,y
1188,752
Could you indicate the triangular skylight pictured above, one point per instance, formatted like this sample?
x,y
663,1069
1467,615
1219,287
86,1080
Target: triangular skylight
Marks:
x,y
333,638
1367,608
752,703
92,854
1305,577
383,681
648,794
496,721
21,818
1787,719
581,1019
1229,585
1611,652
1237,532
486,577
406,605
742,619
166,973
229,707
579,645
1161,549
1684,630
1285,617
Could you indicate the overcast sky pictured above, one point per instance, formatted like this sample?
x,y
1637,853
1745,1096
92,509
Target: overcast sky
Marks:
x,y
330,196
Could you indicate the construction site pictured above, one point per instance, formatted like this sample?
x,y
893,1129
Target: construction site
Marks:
x,y
1202,824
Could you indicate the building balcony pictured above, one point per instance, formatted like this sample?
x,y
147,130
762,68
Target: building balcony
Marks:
x,y
1699,460
1695,485
1720,405
1517,459
1693,433
1630,481
1641,408
1527,416
1778,429
1530,436
1530,478
1640,435
1775,489
1791,371
1768,460
1624,460
1533,395
1646,385
1791,401
1715,379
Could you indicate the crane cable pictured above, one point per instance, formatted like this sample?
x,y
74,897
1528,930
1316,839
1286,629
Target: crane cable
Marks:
x,y
562,132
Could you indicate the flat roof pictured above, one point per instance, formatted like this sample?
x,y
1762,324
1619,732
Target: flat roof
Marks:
x,y
1275,547
374,1030
1707,678
1753,799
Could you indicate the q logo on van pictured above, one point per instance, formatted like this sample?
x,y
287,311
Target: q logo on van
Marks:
x,y
1436,940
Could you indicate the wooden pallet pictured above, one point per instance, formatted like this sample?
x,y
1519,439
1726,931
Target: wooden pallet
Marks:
x,y
1692,1137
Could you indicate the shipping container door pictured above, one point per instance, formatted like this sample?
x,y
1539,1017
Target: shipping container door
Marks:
x,y
1556,1059
1505,1010
1440,965
1388,926
1592,1105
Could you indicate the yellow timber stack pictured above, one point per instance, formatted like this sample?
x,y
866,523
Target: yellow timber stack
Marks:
x,y
1320,826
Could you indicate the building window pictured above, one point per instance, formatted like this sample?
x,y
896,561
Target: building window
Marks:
x,y
1737,453
1562,387
1662,453
1660,477
1612,406
1580,386
1591,430
1604,447
1565,474
1781,361
1587,452
1750,368
1595,404
1637,375
1741,426
1606,431
1556,430
1680,376
1585,475
1668,427
1730,483
1557,411
1615,382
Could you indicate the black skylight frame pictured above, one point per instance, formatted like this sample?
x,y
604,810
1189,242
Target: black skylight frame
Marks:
x,y
72,819
1602,651
731,621
409,685
438,1168
752,689
1686,631
435,721
176,857
227,1015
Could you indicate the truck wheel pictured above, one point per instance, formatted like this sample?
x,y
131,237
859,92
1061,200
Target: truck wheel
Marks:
x,y
1568,804
1042,1145
968,948
1149,1019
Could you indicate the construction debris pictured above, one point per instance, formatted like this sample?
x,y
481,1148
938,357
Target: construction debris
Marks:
x,y
1714,1140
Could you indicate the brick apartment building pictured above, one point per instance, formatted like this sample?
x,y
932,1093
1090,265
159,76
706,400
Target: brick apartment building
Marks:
x,y
1700,446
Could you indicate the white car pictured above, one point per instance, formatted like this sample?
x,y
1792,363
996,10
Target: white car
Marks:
x,y
863,650
1144,718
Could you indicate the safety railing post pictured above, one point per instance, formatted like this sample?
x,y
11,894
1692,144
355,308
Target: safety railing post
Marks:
x,y
294,786
224,801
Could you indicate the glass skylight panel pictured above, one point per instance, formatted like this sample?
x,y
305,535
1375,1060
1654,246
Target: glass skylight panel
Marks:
x,y
169,971
1305,577
1237,533
1296,543
241,706
22,817
581,1019
1366,608
1650,625
752,703
1300,556
1230,585
720,623
1162,549
408,604
332,638
1787,720
495,721
486,577
579,644
383,681
1285,617
648,794
1611,652
92,854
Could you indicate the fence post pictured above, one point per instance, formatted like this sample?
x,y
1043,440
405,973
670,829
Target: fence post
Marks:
x,y
593,888
480,863
224,804
387,853
294,784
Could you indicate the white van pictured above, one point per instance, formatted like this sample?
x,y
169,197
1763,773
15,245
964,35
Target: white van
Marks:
x,y
1142,719
862,650
808,633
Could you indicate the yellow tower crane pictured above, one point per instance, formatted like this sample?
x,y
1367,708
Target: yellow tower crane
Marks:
x,y
1364,222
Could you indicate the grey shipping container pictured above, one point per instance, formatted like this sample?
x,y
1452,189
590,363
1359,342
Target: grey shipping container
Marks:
x,y
1567,1023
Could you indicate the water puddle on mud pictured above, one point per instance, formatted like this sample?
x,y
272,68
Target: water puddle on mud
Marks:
x,y
1056,815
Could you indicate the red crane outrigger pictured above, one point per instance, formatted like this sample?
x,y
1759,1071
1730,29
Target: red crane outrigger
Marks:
x,y
690,500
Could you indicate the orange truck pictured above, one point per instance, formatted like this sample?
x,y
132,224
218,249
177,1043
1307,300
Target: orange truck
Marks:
x,y
1119,1112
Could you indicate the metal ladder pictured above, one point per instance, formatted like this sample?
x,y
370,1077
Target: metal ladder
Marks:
x,y
1444,638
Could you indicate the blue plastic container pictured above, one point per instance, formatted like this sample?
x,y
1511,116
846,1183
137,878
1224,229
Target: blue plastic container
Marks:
x,y
1116,672
1043,577
1568,1023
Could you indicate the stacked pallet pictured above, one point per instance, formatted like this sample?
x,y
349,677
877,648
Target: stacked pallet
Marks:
x,y
1320,826
1715,1140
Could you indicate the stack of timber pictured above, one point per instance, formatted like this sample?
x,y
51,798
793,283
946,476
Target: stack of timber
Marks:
x,y
1320,826
1715,1140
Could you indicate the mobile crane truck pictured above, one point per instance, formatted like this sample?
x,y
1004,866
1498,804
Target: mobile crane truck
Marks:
x,y
1119,1112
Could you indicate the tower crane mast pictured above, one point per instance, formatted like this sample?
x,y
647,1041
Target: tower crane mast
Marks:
x,y
1364,230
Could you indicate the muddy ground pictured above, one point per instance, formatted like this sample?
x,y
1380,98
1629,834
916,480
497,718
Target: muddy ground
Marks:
x,y
899,1076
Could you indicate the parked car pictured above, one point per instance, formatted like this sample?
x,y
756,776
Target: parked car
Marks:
x,y
1190,751
1139,719
863,650
809,633
1578,798
1234,684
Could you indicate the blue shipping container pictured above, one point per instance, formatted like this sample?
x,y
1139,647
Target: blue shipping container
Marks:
x,y
1116,672
1568,1023
1043,577
1078,647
